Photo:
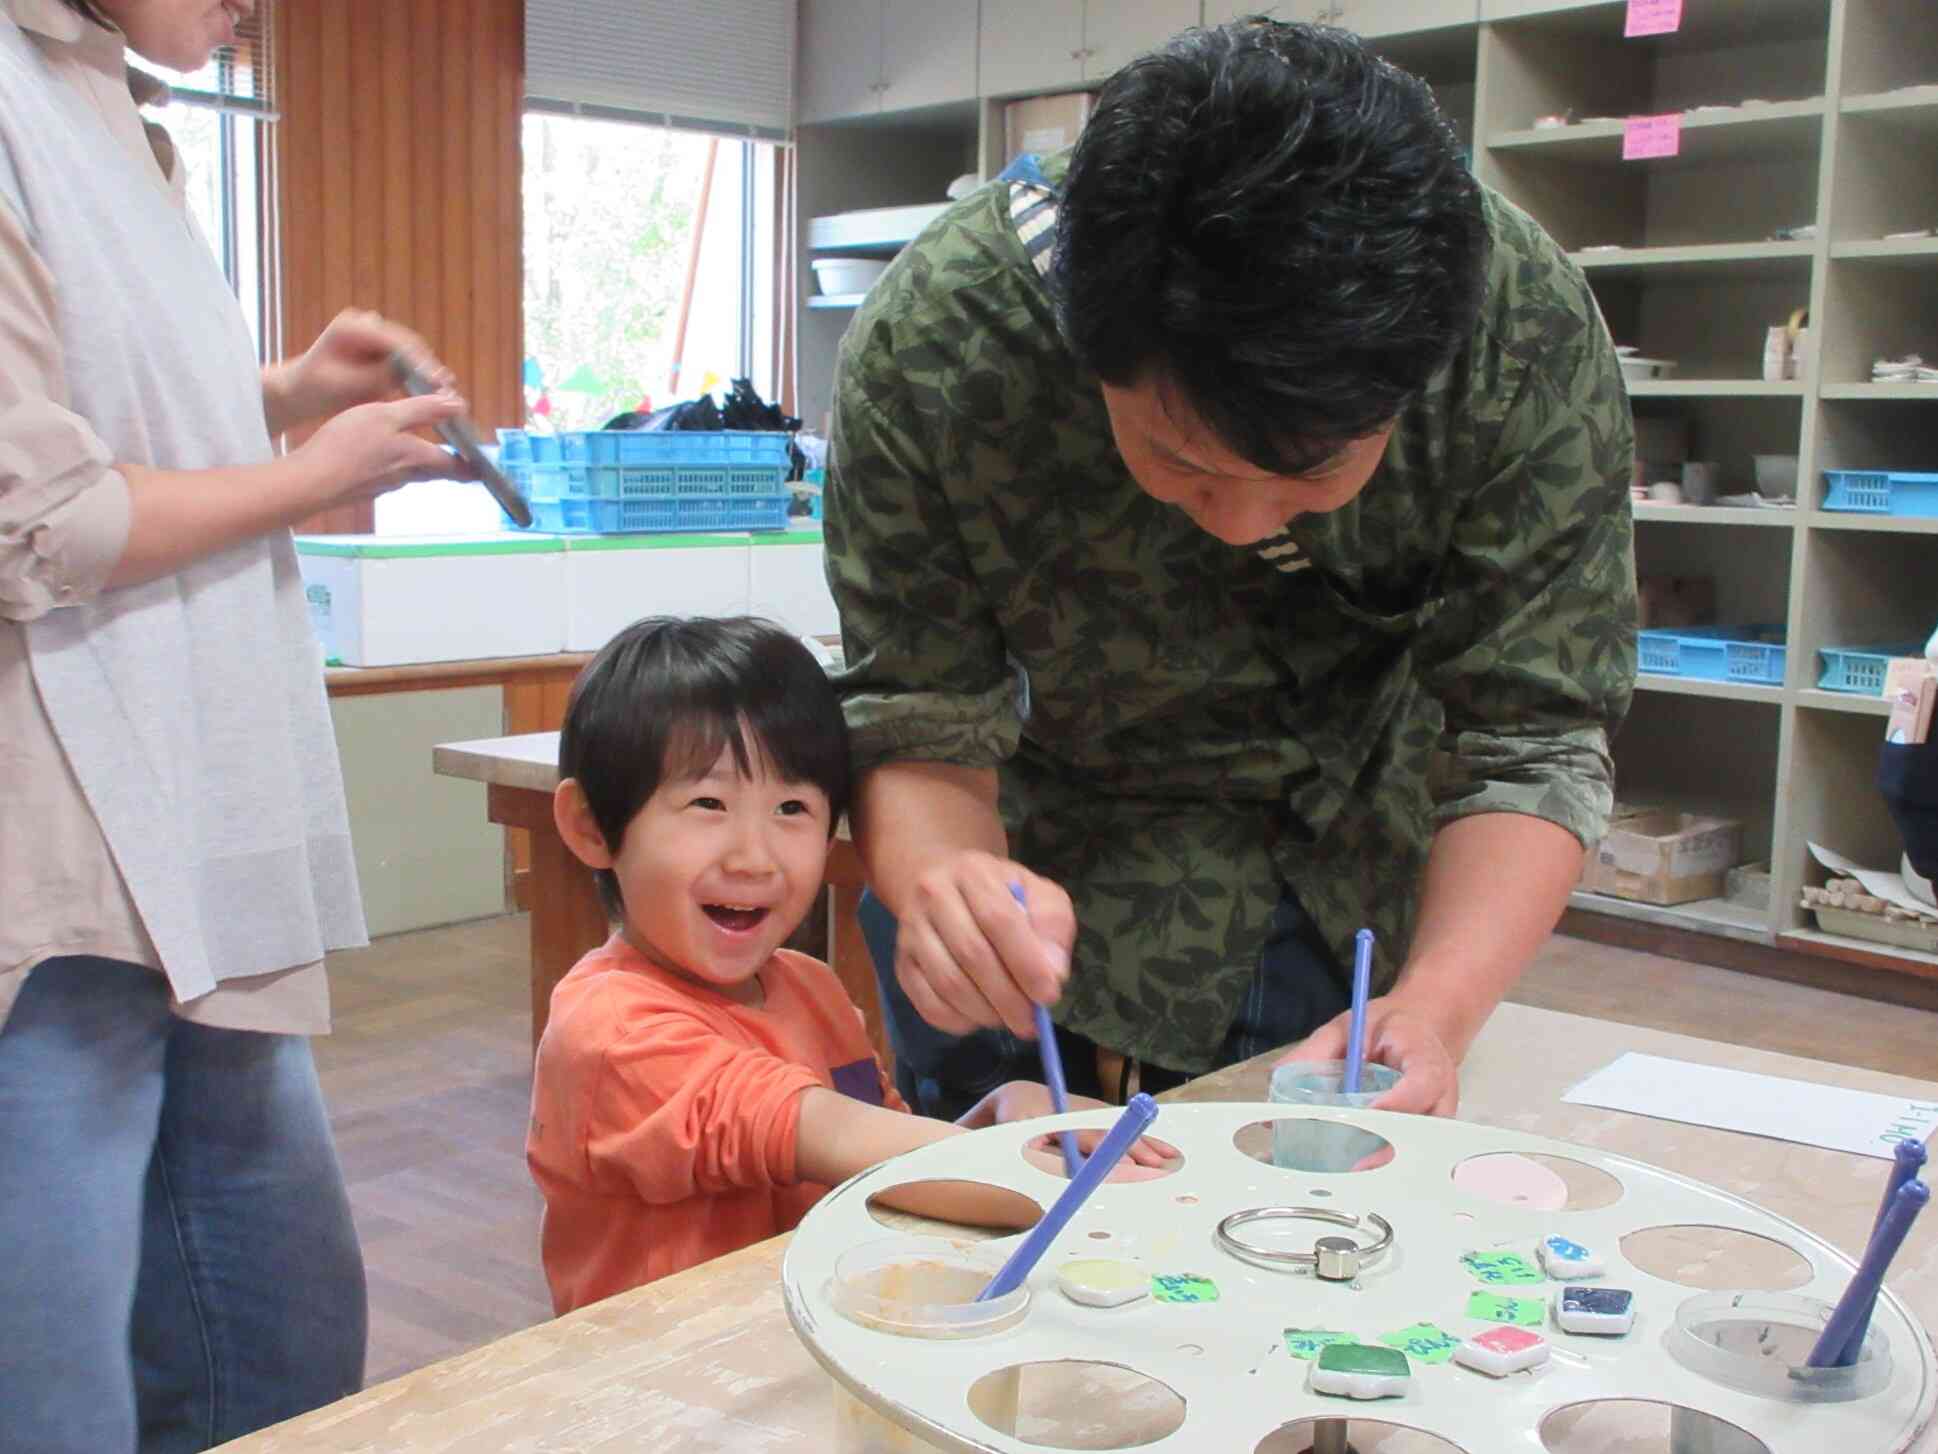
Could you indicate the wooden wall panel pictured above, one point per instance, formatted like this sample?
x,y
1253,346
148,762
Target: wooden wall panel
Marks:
x,y
400,179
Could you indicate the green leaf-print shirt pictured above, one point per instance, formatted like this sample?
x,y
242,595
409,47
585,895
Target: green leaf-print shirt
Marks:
x,y
1182,724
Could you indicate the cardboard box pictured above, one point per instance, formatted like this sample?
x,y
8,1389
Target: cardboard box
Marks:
x,y
787,582
1043,124
613,580
1910,687
1659,856
1665,601
378,600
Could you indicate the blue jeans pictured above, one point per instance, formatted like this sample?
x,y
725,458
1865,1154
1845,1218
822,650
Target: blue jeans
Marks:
x,y
179,1263
1295,989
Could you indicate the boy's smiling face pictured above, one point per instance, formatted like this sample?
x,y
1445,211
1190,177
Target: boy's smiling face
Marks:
x,y
717,870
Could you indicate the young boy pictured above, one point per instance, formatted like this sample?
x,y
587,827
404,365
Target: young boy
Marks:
x,y
698,1087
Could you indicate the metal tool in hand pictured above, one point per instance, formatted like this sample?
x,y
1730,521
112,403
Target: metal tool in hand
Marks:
x,y
462,435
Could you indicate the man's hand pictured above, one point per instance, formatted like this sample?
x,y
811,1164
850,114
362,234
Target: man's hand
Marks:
x,y
349,364
970,957
1400,1035
1024,1100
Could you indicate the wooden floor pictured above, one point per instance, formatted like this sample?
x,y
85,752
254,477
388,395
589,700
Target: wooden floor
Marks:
x,y
428,1079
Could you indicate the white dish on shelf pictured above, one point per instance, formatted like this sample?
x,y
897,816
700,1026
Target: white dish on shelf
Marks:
x,y
1637,369
873,227
835,276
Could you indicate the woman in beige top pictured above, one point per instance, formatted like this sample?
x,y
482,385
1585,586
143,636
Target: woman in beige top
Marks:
x,y
180,1266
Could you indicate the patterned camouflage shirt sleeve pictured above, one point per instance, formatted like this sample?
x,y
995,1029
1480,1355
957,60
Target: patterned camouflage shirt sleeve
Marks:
x,y
1535,665
926,676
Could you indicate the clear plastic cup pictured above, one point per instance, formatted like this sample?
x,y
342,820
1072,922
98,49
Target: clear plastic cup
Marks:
x,y
921,1287
1315,1145
1758,1343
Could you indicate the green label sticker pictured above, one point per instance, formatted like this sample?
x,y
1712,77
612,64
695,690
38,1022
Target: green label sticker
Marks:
x,y
1502,1268
1184,1287
1424,1341
1494,1307
1309,1343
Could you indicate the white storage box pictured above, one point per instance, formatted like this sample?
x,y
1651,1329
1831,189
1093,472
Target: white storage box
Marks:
x,y
788,583
397,600
875,227
613,580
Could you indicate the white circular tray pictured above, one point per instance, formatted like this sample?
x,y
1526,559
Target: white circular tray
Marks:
x,y
1227,1359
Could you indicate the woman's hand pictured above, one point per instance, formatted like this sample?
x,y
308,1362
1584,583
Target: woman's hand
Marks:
x,y
372,448
348,365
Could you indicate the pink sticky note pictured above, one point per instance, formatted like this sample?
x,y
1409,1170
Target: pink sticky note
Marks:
x,y
1651,136
1653,17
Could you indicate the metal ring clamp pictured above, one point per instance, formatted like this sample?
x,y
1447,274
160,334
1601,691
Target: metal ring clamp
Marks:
x,y
1335,1259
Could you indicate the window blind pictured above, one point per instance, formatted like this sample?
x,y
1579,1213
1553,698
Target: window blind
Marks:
x,y
238,77
723,66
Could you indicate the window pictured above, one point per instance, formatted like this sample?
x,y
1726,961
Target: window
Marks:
x,y
649,256
612,218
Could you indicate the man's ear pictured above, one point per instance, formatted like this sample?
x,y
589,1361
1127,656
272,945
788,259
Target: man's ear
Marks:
x,y
580,830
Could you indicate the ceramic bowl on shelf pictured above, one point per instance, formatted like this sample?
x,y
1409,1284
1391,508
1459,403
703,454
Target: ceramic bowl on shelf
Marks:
x,y
1637,369
1776,474
834,276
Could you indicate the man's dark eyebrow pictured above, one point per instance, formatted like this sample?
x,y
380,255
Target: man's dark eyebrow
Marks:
x,y
1323,469
1172,458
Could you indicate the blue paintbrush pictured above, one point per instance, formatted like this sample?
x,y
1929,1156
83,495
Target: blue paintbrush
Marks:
x,y
1052,1062
1906,1162
1362,986
1856,1303
1135,1120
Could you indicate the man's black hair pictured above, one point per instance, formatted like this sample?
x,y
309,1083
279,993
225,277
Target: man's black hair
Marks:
x,y
1276,224
664,696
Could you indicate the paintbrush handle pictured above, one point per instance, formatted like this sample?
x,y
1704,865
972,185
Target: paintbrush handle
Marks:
x,y
1046,1048
1906,1162
1362,987
1135,1120
1856,1303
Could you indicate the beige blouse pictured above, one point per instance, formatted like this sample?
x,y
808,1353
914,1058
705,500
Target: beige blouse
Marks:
x,y
64,520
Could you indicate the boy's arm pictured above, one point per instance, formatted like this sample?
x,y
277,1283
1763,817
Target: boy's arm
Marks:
x,y
680,1111
839,1136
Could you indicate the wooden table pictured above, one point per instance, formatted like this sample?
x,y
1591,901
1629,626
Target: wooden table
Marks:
x,y
567,918
706,1360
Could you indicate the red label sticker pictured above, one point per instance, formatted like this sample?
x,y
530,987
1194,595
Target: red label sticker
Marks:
x,y
1651,136
1653,17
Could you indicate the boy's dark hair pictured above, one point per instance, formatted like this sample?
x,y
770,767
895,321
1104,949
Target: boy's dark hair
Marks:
x,y
664,696
1276,223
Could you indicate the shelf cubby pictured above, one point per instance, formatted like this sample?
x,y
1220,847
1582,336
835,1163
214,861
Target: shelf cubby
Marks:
x,y
1703,754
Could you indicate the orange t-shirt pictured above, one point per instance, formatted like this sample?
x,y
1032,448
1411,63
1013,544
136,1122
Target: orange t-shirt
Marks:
x,y
663,1114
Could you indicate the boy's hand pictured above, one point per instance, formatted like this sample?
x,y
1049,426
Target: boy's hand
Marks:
x,y
1024,1100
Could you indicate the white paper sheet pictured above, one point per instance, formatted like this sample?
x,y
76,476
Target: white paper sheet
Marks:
x,y
1877,882
1758,1105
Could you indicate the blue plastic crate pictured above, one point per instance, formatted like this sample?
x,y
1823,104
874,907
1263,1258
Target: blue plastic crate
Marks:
x,y
1861,669
619,464
659,514
1716,653
1881,492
